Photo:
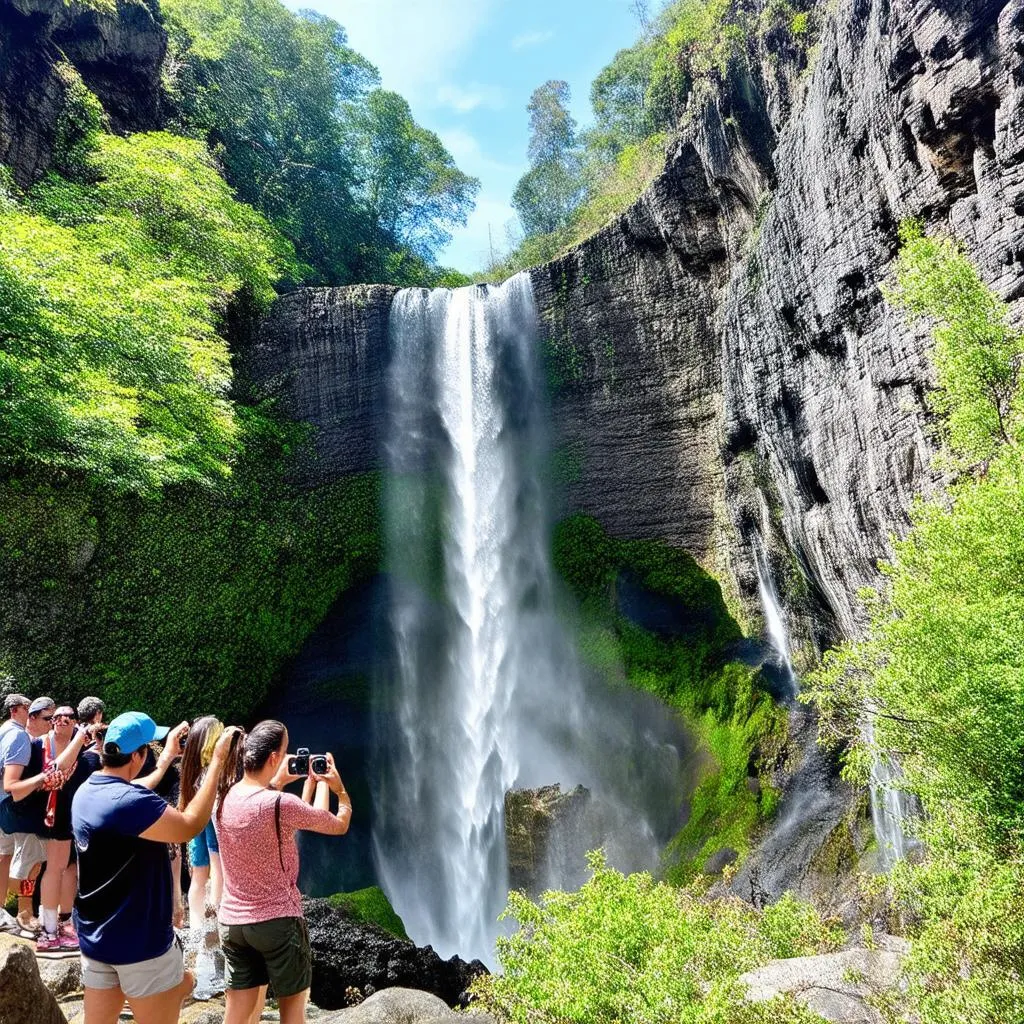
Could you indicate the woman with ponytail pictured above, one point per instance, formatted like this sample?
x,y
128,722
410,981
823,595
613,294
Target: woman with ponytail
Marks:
x,y
262,931
203,852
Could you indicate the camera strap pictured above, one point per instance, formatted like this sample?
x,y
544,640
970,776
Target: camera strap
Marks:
x,y
277,826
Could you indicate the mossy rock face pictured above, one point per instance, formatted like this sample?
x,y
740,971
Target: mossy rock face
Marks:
x,y
652,617
370,906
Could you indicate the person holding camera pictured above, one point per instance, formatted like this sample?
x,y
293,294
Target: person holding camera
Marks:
x,y
123,912
262,930
59,880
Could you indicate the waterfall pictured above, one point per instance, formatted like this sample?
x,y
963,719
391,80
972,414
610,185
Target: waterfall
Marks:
x,y
483,689
773,617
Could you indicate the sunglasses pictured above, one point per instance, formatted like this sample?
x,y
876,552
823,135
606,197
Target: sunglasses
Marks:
x,y
63,718
46,718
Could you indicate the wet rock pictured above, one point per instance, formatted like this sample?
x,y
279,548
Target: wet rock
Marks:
x,y
718,862
536,821
837,986
24,999
349,954
323,353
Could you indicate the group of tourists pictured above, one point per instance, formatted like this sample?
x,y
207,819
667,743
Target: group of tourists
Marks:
x,y
97,815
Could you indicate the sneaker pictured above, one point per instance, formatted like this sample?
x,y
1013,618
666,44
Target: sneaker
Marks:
x,y
48,943
8,923
68,943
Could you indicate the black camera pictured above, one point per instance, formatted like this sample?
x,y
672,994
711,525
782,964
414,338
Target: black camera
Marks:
x,y
299,764
318,762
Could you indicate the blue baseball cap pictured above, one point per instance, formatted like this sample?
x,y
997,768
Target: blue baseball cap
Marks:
x,y
130,731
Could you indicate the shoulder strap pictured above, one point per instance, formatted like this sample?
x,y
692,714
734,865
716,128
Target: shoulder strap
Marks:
x,y
277,826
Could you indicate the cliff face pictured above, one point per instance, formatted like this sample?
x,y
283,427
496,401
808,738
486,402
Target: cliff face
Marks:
x,y
118,54
722,358
735,365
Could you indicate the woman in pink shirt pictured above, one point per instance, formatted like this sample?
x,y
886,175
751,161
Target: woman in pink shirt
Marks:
x,y
262,931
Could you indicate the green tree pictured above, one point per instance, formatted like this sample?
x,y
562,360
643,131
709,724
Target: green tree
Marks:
x,y
268,91
410,185
550,192
619,98
112,294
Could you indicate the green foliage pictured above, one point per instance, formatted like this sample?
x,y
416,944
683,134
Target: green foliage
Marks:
x,y
739,726
978,354
629,950
941,673
547,195
372,907
291,111
112,294
184,604
411,186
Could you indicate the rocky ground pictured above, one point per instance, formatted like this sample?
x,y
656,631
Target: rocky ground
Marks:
x,y
842,987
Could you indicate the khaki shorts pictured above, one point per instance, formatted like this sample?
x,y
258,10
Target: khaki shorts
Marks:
x,y
136,981
269,952
26,850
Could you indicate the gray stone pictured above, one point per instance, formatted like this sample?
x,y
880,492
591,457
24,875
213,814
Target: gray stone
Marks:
x,y
394,1006
117,53
837,986
24,999
61,975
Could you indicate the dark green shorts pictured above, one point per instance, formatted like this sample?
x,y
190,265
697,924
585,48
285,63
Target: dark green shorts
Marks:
x,y
271,952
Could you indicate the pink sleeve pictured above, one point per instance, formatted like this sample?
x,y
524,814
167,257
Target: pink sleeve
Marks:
x,y
297,814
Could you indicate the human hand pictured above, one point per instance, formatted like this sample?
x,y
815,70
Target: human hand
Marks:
x,y
228,738
175,742
283,777
331,776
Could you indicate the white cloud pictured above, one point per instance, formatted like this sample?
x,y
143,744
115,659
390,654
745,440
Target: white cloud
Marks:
x,y
471,158
521,42
412,43
463,99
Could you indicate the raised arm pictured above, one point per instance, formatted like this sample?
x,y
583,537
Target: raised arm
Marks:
x,y
170,753
175,826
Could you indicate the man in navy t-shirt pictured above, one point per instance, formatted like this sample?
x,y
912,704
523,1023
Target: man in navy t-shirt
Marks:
x,y
123,910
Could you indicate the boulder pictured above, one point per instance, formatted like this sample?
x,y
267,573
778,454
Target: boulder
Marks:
x,y
24,999
61,975
836,986
536,820
349,954
401,1006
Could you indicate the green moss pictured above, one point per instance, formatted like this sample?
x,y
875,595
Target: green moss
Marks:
x,y
738,725
184,604
371,906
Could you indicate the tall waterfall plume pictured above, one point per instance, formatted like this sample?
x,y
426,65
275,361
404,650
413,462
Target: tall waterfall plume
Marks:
x,y
483,690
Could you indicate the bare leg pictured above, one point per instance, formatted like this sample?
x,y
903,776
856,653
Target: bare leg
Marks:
x,y
68,888
242,1003
103,1005
216,880
25,913
5,877
164,1008
260,1003
293,1008
197,898
178,912
58,853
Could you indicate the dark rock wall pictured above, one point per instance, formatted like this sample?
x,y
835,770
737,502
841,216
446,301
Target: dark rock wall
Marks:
x,y
118,55
721,356
736,362
323,354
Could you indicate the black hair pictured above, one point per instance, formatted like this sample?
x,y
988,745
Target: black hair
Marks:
x,y
251,755
110,757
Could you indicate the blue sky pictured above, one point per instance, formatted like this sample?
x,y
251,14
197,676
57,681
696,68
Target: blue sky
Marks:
x,y
467,68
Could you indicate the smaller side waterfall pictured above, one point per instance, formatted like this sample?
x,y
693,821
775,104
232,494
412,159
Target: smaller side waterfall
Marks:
x,y
773,616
